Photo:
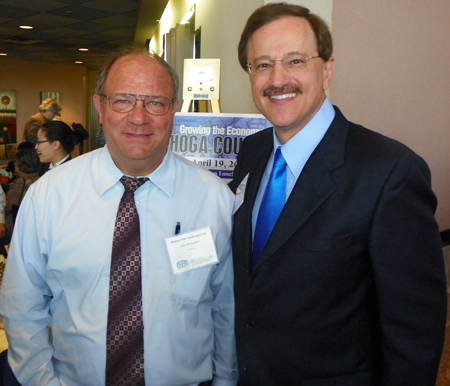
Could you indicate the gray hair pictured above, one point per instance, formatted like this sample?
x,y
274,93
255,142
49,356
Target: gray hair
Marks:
x,y
50,104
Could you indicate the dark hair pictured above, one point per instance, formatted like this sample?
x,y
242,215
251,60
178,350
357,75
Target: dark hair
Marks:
x,y
274,11
81,133
25,145
126,50
28,161
67,136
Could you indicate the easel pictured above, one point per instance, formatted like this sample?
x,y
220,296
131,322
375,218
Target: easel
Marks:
x,y
201,82
204,106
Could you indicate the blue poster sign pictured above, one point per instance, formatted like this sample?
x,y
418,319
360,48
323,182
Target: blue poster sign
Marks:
x,y
213,140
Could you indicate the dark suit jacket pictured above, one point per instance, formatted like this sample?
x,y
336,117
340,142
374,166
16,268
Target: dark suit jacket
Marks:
x,y
350,289
32,126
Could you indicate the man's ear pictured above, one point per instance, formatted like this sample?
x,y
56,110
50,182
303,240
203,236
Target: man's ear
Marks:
x,y
328,69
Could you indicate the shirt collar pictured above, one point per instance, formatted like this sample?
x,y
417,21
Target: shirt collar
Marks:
x,y
51,166
109,174
299,148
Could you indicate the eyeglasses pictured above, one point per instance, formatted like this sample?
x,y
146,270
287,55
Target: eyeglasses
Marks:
x,y
290,63
39,142
124,103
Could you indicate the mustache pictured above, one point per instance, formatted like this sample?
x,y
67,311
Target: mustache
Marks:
x,y
282,90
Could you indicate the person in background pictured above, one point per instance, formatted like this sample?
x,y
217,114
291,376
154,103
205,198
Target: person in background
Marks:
x,y
25,145
11,168
100,139
48,110
79,148
56,140
66,268
27,167
348,287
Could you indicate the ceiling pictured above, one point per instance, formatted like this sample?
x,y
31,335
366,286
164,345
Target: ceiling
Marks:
x,y
61,27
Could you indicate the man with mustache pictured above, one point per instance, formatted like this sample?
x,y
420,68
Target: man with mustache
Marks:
x,y
348,288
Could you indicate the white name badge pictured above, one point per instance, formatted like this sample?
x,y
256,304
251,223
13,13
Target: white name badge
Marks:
x,y
191,250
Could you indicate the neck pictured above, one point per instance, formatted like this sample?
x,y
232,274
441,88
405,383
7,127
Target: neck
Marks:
x,y
58,158
138,167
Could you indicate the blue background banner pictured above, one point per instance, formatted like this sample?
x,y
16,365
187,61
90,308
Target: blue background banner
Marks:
x,y
213,140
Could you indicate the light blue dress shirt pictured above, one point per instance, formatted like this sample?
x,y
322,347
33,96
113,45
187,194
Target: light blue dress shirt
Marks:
x,y
59,265
296,152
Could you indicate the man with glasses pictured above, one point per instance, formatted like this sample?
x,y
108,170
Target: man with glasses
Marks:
x,y
339,275
124,310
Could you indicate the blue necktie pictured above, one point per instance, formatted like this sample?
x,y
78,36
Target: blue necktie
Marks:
x,y
271,205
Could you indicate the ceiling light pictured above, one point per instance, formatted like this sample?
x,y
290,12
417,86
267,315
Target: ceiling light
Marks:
x,y
78,62
3,54
83,49
26,27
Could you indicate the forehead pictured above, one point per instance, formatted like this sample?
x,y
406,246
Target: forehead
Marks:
x,y
138,74
282,36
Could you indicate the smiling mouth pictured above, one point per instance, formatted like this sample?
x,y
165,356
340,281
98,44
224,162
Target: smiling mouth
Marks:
x,y
280,93
283,96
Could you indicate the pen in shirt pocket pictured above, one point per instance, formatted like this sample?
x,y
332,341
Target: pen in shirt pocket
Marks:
x,y
178,228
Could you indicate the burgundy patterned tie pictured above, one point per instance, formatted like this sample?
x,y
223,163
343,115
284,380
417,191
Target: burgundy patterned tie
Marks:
x,y
125,332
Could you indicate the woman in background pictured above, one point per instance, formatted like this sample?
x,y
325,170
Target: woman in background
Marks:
x,y
56,140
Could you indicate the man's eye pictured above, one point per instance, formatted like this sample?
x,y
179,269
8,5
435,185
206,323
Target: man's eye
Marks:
x,y
263,65
122,102
295,62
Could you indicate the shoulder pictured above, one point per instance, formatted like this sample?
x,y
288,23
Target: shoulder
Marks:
x,y
355,150
368,144
16,184
255,146
36,118
261,137
362,141
197,176
69,172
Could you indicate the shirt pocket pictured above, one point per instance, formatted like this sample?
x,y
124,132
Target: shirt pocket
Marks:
x,y
192,286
